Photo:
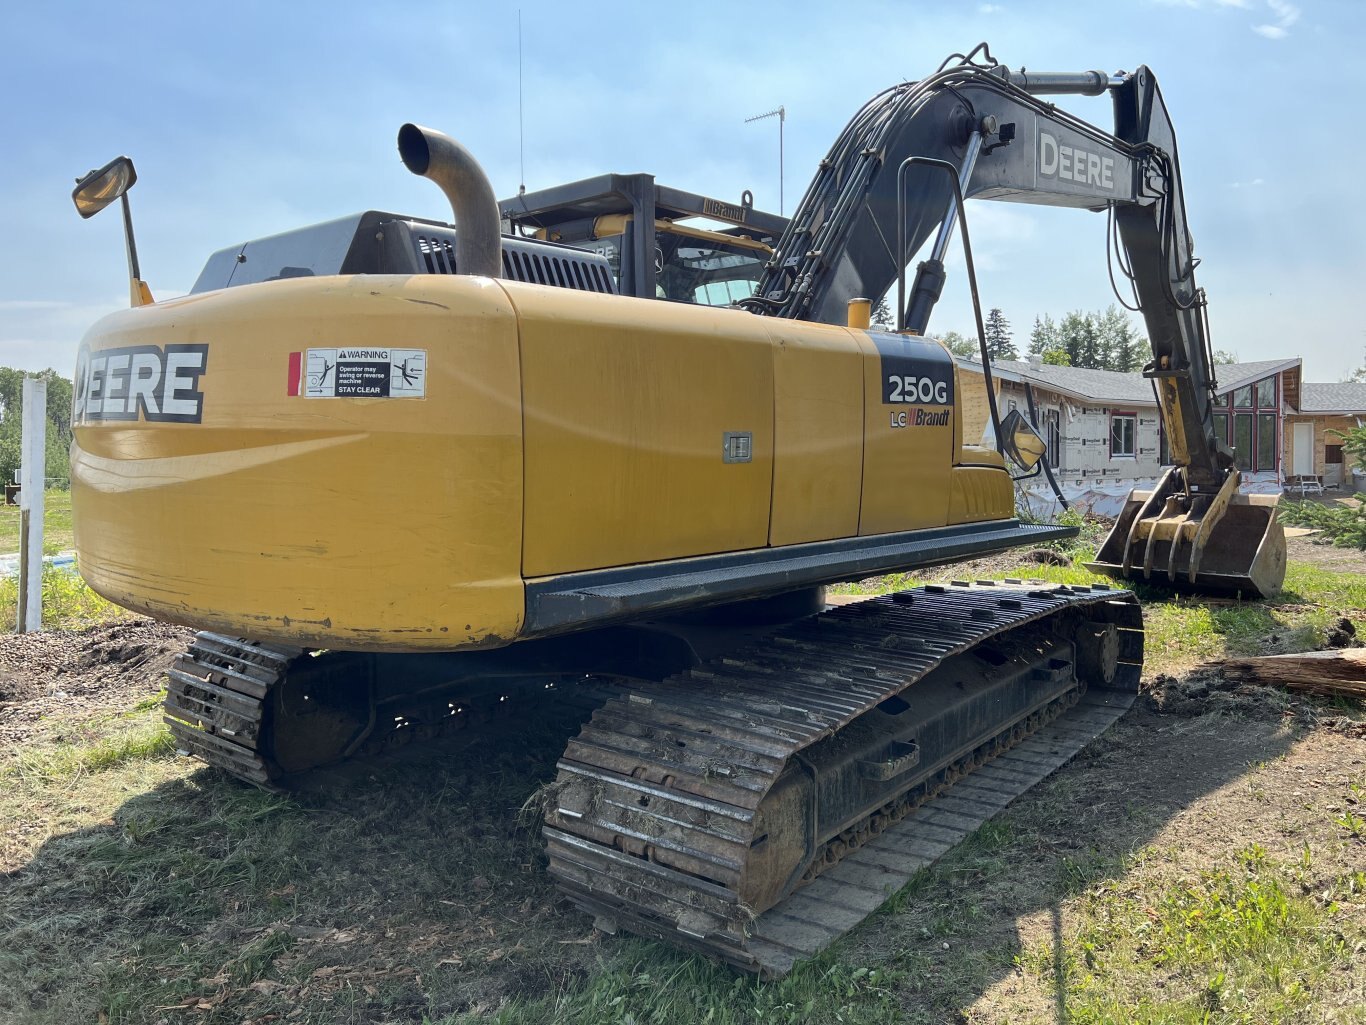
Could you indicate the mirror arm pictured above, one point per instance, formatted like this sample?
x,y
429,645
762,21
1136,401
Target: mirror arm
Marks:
x,y
138,292
133,270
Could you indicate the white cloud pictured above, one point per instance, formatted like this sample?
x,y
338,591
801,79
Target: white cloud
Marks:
x,y
1247,185
990,9
1286,15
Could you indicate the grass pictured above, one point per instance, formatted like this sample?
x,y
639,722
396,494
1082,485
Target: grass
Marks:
x,y
1183,631
117,739
68,602
146,889
1240,942
57,531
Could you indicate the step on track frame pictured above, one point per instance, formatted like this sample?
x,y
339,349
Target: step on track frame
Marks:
x,y
652,817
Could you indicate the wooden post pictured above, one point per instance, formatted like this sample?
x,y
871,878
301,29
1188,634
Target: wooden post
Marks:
x,y
32,480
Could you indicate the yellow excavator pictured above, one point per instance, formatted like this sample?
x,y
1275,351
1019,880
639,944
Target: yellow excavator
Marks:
x,y
402,475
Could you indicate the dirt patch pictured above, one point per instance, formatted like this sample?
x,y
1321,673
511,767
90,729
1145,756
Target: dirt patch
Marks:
x,y
81,673
1205,690
1312,550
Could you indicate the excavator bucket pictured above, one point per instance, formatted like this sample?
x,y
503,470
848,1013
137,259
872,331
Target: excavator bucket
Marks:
x,y
1234,545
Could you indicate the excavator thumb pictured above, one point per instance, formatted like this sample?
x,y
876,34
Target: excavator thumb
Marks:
x,y
1225,544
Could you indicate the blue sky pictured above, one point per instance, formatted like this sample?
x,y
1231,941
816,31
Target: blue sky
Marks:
x,y
249,118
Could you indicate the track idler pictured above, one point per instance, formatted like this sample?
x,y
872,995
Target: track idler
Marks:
x,y
1225,543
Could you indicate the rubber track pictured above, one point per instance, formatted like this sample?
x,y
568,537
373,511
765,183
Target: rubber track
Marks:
x,y
656,798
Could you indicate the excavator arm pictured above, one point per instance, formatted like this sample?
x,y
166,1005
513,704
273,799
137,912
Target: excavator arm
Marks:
x,y
862,219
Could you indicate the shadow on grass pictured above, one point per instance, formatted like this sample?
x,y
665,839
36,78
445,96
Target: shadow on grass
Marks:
x,y
404,887
412,888
954,933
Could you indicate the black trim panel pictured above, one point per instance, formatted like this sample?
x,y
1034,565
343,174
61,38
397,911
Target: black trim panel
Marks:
x,y
572,601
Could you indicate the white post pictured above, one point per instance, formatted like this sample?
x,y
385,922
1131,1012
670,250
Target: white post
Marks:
x,y
32,480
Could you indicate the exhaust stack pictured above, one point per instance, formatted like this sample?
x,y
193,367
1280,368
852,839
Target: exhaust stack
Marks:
x,y
479,238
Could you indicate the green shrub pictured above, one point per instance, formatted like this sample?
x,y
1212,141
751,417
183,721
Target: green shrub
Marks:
x,y
1343,525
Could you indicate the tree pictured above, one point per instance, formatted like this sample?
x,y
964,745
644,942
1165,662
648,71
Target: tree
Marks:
x,y
1077,337
57,457
999,345
1120,346
1044,336
1358,376
1353,442
1097,341
959,345
1222,357
882,315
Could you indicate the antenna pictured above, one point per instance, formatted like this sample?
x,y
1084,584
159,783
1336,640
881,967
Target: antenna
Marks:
x,y
521,133
781,115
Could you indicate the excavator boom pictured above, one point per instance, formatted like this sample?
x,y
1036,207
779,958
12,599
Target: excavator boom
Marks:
x,y
1194,529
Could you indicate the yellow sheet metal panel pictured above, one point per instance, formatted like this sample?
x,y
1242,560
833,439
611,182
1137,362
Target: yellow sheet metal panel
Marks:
x,y
378,507
909,395
981,493
627,406
818,430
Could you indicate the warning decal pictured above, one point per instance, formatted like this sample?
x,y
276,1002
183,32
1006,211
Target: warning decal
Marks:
x,y
362,373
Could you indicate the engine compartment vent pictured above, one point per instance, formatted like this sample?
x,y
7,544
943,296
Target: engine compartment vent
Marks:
x,y
539,263
380,243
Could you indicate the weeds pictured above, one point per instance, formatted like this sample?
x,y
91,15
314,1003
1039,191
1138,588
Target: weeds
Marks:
x,y
1353,823
68,602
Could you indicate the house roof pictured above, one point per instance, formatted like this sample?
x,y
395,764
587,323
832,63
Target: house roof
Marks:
x,y
1104,386
1113,387
1238,375
1333,398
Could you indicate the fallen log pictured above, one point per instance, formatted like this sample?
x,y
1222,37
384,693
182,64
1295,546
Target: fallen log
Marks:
x,y
1338,672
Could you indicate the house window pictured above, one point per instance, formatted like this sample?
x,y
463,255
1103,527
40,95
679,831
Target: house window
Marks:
x,y
1123,427
1248,420
1332,454
1266,441
1053,436
1242,440
1266,393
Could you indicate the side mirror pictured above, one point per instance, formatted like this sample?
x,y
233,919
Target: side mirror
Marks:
x,y
99,188
96,191
1021,442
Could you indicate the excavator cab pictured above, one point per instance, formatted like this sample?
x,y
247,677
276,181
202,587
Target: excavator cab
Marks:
x,y
716,258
